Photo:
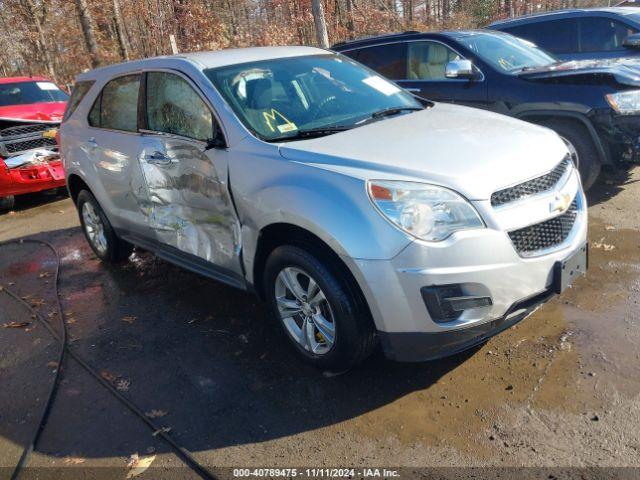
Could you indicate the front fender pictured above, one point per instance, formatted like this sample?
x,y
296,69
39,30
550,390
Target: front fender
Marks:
x,y
332,206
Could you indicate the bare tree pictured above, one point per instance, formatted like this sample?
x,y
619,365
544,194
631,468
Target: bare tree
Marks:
x,y
87,30
38,14
321,25
120,31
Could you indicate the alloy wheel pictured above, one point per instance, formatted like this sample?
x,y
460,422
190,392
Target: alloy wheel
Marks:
x,y
305,311
94,227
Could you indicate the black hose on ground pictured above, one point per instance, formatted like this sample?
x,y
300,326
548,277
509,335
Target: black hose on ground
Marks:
x,y
66,348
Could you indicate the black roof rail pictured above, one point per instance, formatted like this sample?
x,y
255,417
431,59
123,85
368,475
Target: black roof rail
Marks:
x,y
373,37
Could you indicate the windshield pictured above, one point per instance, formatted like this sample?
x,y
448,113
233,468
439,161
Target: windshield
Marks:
x,y
24,93
281,98
505,52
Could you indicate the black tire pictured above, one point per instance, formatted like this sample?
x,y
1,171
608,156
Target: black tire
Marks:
x,y
589,164
355,337
117,250
7,203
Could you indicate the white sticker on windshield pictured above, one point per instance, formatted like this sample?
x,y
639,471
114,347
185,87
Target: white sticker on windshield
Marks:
x,y
287,127
47,86
382,85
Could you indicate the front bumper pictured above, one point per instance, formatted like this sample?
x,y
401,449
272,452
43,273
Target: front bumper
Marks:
x,y
420,347
620,135
481,263
31,179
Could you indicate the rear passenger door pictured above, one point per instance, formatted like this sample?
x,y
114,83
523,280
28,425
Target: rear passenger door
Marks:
x,y
111,143
190,207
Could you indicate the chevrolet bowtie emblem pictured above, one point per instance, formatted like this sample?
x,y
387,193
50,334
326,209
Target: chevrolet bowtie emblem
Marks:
x,y
51,133
560,203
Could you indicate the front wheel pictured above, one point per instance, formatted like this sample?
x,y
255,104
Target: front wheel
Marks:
x,y
7,203
99,232
318,309
581,149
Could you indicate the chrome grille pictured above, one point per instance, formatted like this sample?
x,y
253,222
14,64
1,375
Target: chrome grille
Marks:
x,y
547,234
25,129
24,145
531,187
21,138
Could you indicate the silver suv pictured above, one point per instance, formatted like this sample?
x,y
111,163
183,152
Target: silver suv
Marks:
x,y
358,213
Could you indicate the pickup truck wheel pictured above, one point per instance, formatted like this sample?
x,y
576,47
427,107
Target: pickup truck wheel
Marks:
x,y
99,232
581,148
317,310
7,203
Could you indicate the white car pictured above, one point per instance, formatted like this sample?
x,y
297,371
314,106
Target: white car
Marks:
x,y
360,214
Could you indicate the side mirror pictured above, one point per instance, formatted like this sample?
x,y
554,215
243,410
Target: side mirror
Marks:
x,y
459,69
632,41
217,140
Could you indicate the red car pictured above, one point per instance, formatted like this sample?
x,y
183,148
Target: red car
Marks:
x,y
31,109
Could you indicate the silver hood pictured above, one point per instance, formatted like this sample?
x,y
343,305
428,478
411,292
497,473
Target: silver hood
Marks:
x,y
472,151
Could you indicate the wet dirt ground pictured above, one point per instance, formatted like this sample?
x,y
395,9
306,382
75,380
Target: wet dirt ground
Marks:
x,y
560,389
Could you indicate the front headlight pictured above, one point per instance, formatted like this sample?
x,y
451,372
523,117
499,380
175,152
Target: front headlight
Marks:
x,y
425,211
626,102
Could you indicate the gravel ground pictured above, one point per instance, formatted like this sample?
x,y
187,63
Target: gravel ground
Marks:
x,y
561,389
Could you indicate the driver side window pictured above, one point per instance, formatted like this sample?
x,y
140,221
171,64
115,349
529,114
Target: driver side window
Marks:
x,y
428,60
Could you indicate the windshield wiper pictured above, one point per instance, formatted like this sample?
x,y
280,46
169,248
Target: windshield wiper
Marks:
x,y
387,112
313,133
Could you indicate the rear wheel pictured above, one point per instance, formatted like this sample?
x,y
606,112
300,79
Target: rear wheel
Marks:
x,y
7,203
318,309
581,148
99,232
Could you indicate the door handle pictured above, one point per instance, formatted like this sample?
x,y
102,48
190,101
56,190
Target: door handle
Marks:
x,y
92,142
411,89
158,158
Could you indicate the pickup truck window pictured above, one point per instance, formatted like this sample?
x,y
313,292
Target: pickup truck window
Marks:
x,y
24,93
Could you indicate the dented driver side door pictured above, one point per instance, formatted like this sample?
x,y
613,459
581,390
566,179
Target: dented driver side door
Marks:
x,y
189,205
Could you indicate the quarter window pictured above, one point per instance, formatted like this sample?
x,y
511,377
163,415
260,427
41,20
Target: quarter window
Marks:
x,y
116,107
428,60
556,36
174,107
389,60
80,89
600,34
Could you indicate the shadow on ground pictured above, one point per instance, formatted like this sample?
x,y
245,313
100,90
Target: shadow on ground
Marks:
x,y
31,200
204,356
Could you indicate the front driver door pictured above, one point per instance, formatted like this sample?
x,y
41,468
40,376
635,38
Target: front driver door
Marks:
x,y
426,63
189,206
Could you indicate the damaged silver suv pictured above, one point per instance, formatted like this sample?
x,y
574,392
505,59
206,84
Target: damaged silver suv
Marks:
x,y
360,214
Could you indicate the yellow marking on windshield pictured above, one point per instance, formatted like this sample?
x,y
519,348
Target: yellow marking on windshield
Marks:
x,y
270,117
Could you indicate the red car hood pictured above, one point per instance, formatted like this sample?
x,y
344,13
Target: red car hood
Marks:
x,y
39,112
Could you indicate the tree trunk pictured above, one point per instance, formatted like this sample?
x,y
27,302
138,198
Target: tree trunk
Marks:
x,y
349,6
120,31
42,44
321,25
87,30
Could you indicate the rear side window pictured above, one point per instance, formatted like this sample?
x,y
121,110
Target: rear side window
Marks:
x,y
556,36
174,107
389,60
116,107
80,89
600,34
